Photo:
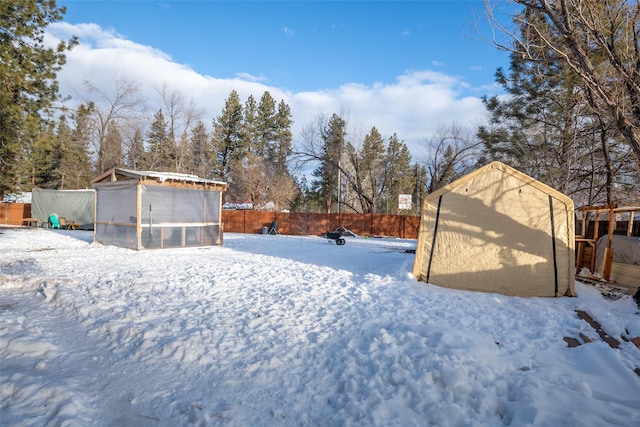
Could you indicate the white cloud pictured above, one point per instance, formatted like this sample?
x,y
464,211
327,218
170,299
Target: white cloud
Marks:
x,y
288,31
250,77
414,106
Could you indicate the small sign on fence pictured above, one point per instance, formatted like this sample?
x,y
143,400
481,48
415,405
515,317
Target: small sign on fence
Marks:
x,y
404,201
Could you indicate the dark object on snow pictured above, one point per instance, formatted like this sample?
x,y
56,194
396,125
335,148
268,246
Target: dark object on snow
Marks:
x,y
344,232
274,227
572,342
636,297
335,236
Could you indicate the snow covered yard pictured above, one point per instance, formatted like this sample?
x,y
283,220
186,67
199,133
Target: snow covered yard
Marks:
x,y
287,330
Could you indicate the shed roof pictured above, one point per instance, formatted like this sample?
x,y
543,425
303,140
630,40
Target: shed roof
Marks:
x,y
503,169
171,179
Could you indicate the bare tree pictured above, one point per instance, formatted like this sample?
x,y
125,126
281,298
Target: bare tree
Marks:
x,y
257,181
111,109
597,40
360,174
452,153
181,115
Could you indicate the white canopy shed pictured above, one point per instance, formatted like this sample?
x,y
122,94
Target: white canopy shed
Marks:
x,y
498,230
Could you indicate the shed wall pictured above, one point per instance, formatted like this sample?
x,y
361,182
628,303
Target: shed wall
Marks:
x,y
169,216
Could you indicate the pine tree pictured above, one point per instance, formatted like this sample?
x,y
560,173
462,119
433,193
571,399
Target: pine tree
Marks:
x,y
112,154
28,70
328,184
74,168
598,41
45,159
259,171
159,144
364,179
266,125
250,125
280,149
201,152
400,173
538,118
547,129
228,137
64,144
137,158
372,171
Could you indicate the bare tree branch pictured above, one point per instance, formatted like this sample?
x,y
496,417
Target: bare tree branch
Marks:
x,y
597,40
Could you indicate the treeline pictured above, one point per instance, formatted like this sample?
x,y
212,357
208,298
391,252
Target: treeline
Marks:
x,y
551,123
249,146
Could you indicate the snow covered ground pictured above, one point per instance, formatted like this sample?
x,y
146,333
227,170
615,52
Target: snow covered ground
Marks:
x,y
288,330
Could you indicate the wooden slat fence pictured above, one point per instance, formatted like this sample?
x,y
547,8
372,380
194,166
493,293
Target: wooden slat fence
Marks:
x,y
291,223
305,223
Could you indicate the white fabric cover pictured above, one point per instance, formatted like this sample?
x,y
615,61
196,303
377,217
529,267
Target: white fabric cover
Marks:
x,y
494,234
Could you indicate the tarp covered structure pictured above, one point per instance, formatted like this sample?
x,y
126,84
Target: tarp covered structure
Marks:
x,y
77,206
626,250
625,263
498,230
147,209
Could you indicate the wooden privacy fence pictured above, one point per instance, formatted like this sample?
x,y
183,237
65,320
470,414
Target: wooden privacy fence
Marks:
x,y
305,223
14,213
292,223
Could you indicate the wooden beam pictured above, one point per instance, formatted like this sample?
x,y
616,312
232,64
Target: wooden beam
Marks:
x,y
592,268
580,256
606,263
592,240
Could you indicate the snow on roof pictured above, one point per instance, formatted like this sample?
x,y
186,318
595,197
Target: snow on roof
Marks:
x,y
115,173
164,176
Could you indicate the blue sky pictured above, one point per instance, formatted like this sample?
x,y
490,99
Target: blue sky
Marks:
x,y
304,45
406,67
